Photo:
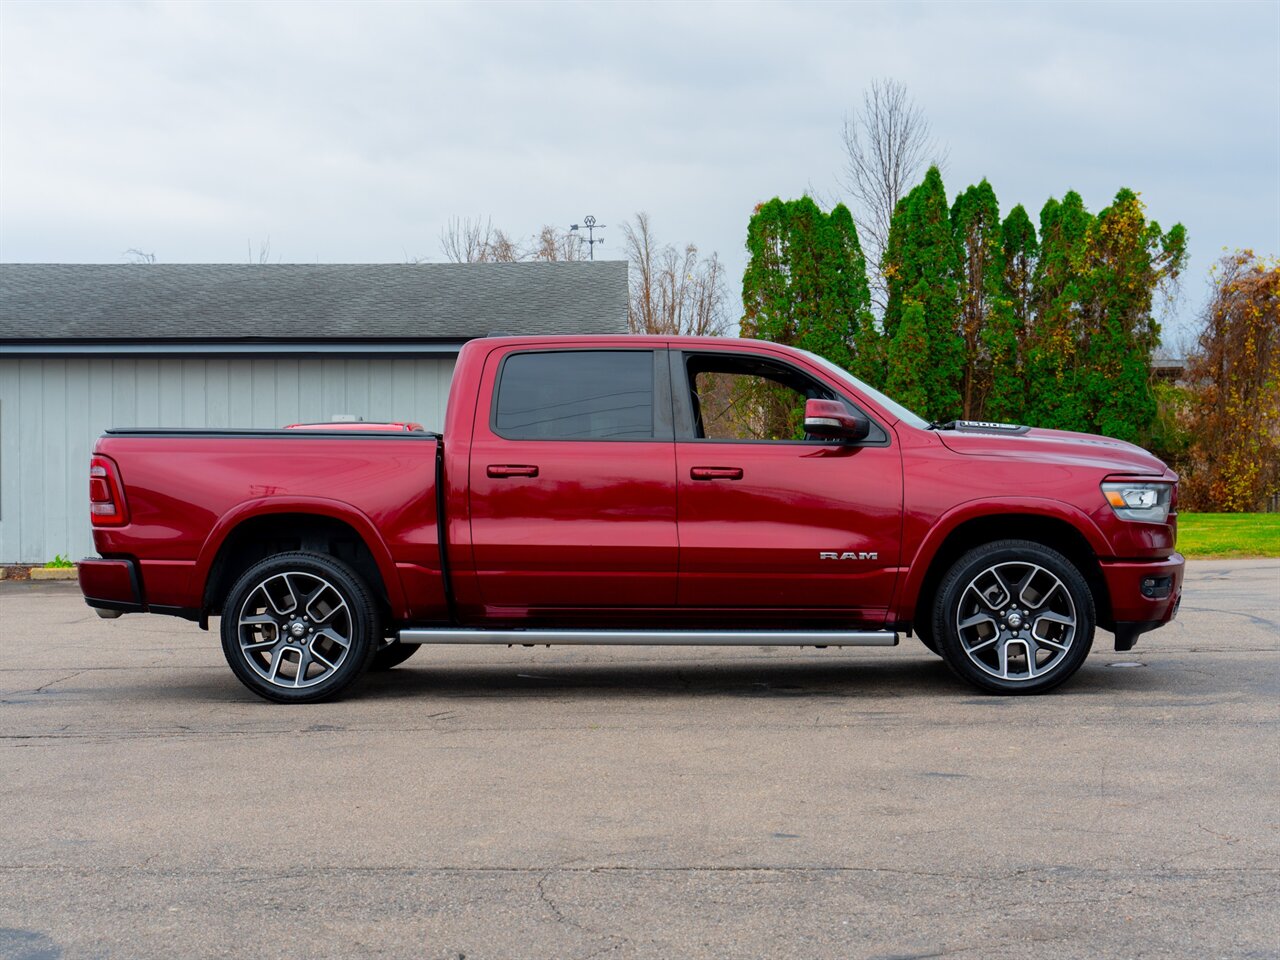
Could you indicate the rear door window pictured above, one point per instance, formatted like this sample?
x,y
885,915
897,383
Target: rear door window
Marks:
x,y
576,395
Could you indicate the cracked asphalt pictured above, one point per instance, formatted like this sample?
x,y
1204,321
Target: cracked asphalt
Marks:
x,y
579,802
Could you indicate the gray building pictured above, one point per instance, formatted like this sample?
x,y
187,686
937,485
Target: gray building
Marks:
x,y
84,347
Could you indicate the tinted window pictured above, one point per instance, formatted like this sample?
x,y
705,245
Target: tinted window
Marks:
x,y
578,395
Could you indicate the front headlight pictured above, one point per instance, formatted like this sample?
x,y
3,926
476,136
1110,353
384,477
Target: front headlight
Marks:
x,y
1139,501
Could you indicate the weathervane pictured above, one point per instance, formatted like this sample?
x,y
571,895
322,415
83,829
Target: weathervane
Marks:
x,y
590,223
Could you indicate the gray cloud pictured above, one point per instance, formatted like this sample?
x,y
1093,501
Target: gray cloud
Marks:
x,y
351,133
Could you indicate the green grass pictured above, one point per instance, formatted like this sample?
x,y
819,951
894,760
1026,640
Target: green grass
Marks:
x,y
1228,535
59,562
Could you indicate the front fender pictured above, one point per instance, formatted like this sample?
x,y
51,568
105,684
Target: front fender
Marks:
x,y
1004,507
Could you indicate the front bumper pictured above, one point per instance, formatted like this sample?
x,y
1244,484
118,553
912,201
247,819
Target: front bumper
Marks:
x,y
1144,594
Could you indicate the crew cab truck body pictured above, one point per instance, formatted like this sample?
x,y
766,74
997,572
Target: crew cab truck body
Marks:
x,y
637,490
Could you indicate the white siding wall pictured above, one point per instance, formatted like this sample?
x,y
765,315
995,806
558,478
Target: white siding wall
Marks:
x,y
52,411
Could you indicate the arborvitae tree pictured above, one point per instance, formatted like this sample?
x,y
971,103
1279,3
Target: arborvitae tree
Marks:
x,y
909,371
1021,250
851,287
922,250
1052,358
806,285
1089,357
1056,333
1128,259
975,221
1006,336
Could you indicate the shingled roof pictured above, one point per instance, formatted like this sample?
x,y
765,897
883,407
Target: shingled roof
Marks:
x,y
43,302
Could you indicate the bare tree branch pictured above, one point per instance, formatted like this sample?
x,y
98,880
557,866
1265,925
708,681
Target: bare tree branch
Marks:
x,y
467,240
464,240
263,254
887,145
555,245
504,249
135,255
672,292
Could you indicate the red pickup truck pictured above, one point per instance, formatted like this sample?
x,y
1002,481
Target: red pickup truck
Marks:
x,y
638,490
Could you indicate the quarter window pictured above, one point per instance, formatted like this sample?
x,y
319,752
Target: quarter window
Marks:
x,y
576,395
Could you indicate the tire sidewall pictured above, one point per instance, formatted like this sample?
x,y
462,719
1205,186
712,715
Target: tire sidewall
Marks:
x,y
364,625
952,587
392,655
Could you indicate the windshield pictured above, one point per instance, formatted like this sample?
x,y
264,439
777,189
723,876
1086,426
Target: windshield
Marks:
x,y
892,406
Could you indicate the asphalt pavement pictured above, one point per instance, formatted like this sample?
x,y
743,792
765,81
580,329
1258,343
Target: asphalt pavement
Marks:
x,y
641,802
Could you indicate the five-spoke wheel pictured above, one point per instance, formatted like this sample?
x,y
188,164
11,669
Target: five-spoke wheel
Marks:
x,y
1014,617
299,627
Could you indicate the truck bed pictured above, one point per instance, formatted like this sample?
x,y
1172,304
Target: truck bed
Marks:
x,y
236,483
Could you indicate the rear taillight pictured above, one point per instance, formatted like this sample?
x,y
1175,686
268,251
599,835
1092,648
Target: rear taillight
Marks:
x,y
106,497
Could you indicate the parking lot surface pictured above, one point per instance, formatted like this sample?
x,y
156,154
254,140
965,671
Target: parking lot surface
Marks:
x,y
645,802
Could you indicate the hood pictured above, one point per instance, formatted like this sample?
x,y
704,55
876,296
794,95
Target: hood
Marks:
x,y
1050,446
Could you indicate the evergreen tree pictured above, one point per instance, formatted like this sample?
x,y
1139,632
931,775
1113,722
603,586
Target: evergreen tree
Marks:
x,y
909,372
806,285
922,256
852,290
1054,398
1128,258
975,222
1021,250
1006,337
1089,354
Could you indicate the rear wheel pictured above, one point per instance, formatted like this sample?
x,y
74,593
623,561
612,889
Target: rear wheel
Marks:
x,y
1014,617
299,627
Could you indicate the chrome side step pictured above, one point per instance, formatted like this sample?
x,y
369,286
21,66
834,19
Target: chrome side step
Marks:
x,y
682,638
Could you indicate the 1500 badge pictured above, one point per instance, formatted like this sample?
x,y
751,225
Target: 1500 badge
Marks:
x,y
847,555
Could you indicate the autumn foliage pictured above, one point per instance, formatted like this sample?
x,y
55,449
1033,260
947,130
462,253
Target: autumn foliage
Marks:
x,y
1234,415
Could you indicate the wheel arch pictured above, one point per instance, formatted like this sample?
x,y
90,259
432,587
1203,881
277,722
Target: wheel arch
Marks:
x,y
1076,538
257,530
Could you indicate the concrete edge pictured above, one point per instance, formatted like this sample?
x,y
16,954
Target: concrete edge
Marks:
x,y
52,573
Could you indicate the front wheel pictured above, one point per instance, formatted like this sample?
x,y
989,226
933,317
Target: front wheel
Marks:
x,y
1014,617
392,653
299,627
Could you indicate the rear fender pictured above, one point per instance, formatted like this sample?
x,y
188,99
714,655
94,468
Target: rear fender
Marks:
x,y
333,509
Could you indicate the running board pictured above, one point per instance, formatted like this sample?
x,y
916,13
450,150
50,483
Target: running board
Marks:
x,y
682,638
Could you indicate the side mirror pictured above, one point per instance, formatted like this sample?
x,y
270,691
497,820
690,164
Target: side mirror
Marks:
x,y
830,418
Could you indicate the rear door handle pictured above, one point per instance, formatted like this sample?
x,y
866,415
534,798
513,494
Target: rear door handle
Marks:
x,y
715,473
499,470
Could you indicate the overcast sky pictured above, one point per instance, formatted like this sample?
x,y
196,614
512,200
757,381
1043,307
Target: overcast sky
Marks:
x,y
351,133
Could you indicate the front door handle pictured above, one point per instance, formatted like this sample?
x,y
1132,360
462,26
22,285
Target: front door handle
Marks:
x,y
499,470
715,473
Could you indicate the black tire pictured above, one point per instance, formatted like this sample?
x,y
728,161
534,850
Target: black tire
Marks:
x,y
1014,617
292,613
393,654
925,636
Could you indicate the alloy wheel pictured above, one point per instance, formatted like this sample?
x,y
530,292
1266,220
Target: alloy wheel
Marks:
x,y
1016,621
294,629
